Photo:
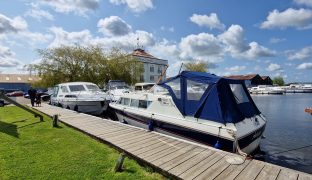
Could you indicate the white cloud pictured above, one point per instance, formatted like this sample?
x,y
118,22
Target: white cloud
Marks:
x,y
212,21
39,14
302,54
275,40
298,18
170,29
255,50
202,46
7,58
274,67
114,26
80,7
62,37
304,2
12,25
165,50
305,66
235,69
234,39
84,38
135,5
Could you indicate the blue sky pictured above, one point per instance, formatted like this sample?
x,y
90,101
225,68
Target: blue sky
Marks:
x,y
233,36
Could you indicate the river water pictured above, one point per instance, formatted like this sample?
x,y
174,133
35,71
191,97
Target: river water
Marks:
x,y
288,127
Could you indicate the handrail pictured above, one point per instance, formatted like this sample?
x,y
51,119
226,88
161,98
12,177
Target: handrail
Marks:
x,y
6,98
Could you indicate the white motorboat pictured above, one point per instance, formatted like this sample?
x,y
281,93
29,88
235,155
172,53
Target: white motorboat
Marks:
x,y
198,107
115,89
264,89
80,96
143,86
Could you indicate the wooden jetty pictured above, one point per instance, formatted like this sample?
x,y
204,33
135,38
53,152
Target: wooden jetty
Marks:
x,y
172,157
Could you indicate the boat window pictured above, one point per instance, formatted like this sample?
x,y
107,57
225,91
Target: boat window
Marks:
x,y
125,101
138,88
195,90
93,87
239,93
74,88
64,89
176,88
148,87
134,103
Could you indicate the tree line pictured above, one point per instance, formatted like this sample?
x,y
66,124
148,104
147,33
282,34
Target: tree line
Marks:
x,y
81,63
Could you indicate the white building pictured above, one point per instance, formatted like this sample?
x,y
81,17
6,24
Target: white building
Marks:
x,y
153,67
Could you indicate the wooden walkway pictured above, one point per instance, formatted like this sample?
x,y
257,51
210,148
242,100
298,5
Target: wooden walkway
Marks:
x,y
169,156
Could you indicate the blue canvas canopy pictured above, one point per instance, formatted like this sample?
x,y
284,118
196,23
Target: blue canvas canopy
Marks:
x,y
210,97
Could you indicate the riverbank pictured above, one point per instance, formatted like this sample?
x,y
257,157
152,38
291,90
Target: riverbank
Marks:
x,y
31,149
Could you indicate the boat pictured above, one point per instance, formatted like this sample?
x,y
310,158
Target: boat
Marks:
x,y
116,88
308,110
265,89
199,107
83,97
143,86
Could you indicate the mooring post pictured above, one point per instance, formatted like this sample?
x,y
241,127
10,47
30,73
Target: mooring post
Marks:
x,y
119,162
55,120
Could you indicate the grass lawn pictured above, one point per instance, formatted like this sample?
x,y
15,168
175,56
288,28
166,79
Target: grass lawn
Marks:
x,y
30,149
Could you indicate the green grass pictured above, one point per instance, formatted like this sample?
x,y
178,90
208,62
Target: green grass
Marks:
x,y
30,149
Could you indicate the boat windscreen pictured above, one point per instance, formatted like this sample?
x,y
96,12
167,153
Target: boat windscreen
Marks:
x,y
74,88
93,87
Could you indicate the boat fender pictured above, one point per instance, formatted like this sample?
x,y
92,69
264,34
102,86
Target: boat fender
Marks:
x,y
151,125
217,145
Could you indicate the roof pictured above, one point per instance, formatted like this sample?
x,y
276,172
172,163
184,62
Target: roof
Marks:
x,y
141,53
242,77
18,78
265,77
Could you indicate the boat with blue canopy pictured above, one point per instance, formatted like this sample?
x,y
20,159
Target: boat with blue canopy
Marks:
x,y
199,107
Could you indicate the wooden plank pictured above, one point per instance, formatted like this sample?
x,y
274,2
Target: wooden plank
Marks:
x,y
173,155
201,166
186,165
136,140
161,148
170,150
182,158
135,147
304,176
251,171
159,143
287,174
213,171
232,171
268,172
120,135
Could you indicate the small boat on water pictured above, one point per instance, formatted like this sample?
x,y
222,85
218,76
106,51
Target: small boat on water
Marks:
x,y
80,96
264,89
308,110
298,88
199,107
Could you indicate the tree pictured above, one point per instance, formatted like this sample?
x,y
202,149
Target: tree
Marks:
x,y
279,81
90,64
199,66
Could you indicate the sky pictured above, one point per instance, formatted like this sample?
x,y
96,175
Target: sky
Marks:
x,y
268,37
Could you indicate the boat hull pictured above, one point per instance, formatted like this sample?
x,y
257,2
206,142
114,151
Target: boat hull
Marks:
x,y
89,107
247,144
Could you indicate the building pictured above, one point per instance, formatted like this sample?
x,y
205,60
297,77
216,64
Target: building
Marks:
x,y
13,82
267,80
253,79
153,67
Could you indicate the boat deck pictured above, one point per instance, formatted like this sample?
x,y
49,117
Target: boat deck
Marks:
x,y
172,157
